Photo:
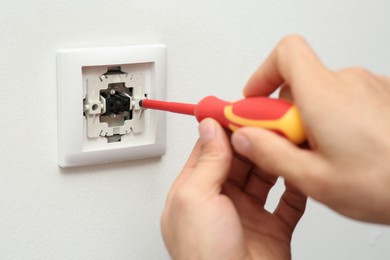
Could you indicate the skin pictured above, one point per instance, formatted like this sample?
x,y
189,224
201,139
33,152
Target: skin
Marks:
x,y
346,116
215,209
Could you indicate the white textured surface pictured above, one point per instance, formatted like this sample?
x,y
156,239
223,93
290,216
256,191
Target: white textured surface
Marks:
x,y
113,211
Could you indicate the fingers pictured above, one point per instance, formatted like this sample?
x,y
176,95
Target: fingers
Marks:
x,y
240,169
291,206
259,184
214,159
292,62
277,156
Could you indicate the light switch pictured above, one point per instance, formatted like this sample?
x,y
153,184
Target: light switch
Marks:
x,y
99,117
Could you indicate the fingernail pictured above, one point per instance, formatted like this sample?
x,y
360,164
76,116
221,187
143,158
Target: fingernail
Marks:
x,y
241,143
207,130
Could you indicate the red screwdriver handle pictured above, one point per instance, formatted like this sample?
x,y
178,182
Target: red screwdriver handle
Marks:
x,y
277,115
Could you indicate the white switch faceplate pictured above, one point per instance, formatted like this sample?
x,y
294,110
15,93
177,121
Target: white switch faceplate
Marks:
x,y
99,119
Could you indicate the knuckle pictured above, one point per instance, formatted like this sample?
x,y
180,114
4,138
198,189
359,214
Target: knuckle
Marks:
x,y
291,47
322,184
216,155
358,72
292,41
384,78
182,197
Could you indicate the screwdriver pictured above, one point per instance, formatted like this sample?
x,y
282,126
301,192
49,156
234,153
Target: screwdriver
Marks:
x,y
277,115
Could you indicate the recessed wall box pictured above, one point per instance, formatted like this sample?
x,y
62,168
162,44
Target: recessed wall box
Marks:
x,y
99,117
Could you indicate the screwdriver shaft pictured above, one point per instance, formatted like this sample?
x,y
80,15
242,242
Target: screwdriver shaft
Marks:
x,y
175,107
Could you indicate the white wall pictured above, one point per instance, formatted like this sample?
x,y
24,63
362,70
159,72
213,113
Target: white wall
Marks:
x,y
113,211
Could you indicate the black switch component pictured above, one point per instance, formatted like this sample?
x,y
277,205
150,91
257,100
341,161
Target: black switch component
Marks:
x,y
116,103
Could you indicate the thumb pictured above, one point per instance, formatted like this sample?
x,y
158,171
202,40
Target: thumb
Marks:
x,y
213,165
278,156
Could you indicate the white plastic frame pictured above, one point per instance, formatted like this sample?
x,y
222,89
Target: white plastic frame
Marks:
x,y
72,150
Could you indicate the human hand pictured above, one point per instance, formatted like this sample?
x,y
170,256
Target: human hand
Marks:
x,y
346,116
215,209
